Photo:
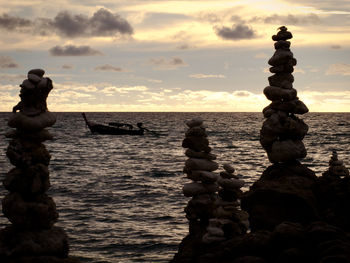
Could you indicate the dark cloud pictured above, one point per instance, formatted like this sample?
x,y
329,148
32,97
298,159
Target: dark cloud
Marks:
x,y
71,50
335,46
101,23
185,47
7,62
11,22
237,32
309,19
108,68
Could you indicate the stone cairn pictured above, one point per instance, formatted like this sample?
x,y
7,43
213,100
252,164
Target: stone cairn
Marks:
x,y
212,212
200,168
336,167
32,236
282,132
229,220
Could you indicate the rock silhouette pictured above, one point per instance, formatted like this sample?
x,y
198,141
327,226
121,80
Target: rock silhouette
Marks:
x,y
294,216
32,236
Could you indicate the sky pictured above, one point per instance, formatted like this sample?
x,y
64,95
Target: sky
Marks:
x,y
133,55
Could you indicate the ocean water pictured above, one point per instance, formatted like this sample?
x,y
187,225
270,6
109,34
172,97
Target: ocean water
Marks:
x,y
120,197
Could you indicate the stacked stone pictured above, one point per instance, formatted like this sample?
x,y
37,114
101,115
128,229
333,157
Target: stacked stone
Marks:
x,y
199,167
336,167
282,132
229,219
30,210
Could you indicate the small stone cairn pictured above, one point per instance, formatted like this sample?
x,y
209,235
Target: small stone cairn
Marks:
x,y
32,236
336,167
282,132
229,220
212,212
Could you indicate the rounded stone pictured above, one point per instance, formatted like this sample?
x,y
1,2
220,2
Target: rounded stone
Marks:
x,y
276,93
34,78
204,176
29,181
228,168
201,164
32,123
194,122
280,57
39,72
201,155
285,151
37,213
193,189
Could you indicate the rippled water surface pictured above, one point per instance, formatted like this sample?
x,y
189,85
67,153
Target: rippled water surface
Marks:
x,y
119,197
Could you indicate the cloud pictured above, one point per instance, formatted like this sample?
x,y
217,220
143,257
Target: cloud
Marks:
x,y
67,66
71,50
11,22
101,23
336,47
237,32
338,69
108,68
12,78
7,62
206,76
309,19
168,64
109,91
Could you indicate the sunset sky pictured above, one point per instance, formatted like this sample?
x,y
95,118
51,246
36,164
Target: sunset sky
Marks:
x,y
148,55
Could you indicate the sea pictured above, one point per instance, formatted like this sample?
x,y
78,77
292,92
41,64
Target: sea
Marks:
x,y
120,198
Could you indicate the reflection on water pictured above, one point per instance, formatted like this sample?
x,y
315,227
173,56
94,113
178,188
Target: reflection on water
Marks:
x,y
120,198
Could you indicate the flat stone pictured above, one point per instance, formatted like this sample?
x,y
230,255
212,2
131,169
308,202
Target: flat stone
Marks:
x,y
230,183
201,164
228,175
194,189
282,44
268,111
285,151
285,68
40,136
204,176
39,72
208,239
194,122
215,231
32,123
276,93
228,168
200,155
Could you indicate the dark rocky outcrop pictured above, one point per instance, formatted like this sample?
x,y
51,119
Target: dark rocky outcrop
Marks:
x,y
294,215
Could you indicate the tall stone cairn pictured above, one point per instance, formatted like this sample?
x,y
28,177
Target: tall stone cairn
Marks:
x,y
199,167
32,236
282,132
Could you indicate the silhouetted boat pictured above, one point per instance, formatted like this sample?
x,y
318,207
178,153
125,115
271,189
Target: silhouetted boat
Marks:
x,y
114,128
